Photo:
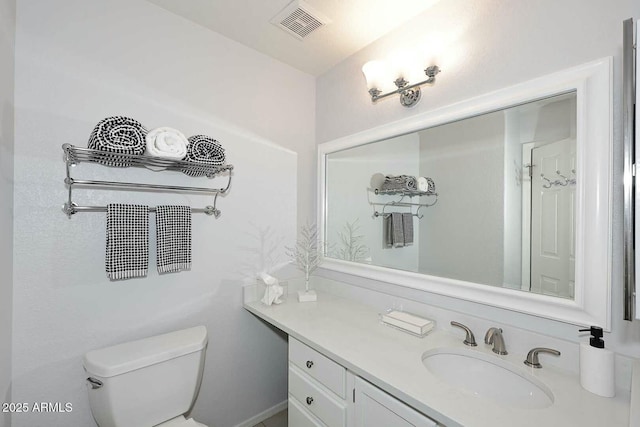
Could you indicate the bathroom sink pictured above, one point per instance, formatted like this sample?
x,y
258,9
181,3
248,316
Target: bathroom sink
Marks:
x,y
488,377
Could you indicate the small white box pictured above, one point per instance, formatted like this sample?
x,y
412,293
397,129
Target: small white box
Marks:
x,y
408,322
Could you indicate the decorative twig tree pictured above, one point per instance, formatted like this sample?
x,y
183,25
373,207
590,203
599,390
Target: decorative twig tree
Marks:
x,y
352,247
307,256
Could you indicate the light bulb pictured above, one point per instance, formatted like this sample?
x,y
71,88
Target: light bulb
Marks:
x,y
374,72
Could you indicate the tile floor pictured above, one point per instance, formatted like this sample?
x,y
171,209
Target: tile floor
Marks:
x,y
278,420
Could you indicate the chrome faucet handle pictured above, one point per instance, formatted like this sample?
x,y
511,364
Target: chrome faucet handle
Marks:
x,y
532,356
494,336
469,340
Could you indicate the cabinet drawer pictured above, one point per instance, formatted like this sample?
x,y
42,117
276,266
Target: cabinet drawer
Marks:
x,y
298,417
328,409
321,368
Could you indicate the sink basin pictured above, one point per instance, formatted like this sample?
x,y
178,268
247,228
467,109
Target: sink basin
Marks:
x,y
488,377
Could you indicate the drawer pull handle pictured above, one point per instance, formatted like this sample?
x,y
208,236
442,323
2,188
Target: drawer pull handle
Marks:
x,y
309,364
309,400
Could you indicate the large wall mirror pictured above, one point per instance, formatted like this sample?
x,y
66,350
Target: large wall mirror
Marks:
x,y
503,199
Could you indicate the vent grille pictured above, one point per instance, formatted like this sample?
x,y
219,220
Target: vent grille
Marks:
x,y
301,23
299,19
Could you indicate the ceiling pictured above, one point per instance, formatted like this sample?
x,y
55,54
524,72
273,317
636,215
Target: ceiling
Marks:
x,y
354,24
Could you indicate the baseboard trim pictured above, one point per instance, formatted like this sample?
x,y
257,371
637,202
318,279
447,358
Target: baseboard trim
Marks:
x,y
270,412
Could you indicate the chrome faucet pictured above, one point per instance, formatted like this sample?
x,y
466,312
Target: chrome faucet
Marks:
x,y
494,336
532,356
469,340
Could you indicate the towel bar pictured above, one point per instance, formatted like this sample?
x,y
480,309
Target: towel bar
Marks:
x,y
75,155
73,208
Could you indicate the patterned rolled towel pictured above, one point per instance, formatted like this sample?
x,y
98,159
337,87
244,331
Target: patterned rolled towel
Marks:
x,y
205,151
410,182
118,135
399,183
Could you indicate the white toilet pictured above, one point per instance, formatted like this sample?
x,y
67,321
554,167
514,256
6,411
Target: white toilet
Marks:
x,y
149,382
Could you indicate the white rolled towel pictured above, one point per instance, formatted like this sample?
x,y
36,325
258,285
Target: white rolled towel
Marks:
x,y
423,184
166,142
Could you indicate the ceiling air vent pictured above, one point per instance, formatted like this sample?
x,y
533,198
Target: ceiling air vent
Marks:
x,y
299,19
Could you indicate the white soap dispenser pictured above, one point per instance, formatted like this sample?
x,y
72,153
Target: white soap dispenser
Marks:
x,y
597,365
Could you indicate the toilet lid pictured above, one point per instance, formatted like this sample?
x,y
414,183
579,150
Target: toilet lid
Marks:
x,y
181,422
192,423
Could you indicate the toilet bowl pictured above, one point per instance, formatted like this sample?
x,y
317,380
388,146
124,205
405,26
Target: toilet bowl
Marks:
x,y
149,382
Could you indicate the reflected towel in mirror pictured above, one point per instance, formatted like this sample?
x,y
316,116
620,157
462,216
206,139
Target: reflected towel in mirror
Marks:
x,y
399,183
393,230
407,228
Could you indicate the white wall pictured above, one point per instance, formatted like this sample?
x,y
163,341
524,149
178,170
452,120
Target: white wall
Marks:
x,y
461,235
78,61
7,56
491,44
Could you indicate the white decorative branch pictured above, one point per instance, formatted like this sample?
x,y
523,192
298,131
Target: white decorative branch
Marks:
x,y
306,252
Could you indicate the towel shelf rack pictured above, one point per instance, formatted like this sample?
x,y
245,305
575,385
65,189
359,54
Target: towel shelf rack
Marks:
x,y
410,193
400,203
75,155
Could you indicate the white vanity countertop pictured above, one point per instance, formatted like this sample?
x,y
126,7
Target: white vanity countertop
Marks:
x,y
351,334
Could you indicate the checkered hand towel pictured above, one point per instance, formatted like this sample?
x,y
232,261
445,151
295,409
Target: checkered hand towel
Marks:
x,y
173,238
127,241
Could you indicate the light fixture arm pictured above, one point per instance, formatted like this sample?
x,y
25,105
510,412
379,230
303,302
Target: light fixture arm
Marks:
x,y
409,93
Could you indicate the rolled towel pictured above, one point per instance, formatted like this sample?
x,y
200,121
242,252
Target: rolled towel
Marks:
x,y
399,183
423,184
410,182
203,150
118,135
392,183
167,142
432,185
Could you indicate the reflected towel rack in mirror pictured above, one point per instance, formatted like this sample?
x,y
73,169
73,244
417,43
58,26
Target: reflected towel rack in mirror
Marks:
x,y
74,155
399,202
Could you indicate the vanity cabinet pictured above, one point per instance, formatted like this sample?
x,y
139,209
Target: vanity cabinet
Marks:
x,y
375,408
317,388
322,393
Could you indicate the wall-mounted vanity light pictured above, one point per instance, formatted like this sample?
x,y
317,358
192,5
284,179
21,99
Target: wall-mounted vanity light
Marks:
x,y
376,73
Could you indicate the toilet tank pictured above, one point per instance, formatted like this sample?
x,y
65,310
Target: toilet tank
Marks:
x,y
146,382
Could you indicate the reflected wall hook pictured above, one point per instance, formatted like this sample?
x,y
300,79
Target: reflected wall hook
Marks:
x,y
566,180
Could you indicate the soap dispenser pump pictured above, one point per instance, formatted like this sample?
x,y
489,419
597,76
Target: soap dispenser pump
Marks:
x,y
597,365
596,336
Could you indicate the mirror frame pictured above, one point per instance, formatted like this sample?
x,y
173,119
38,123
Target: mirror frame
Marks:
x,y
592,303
